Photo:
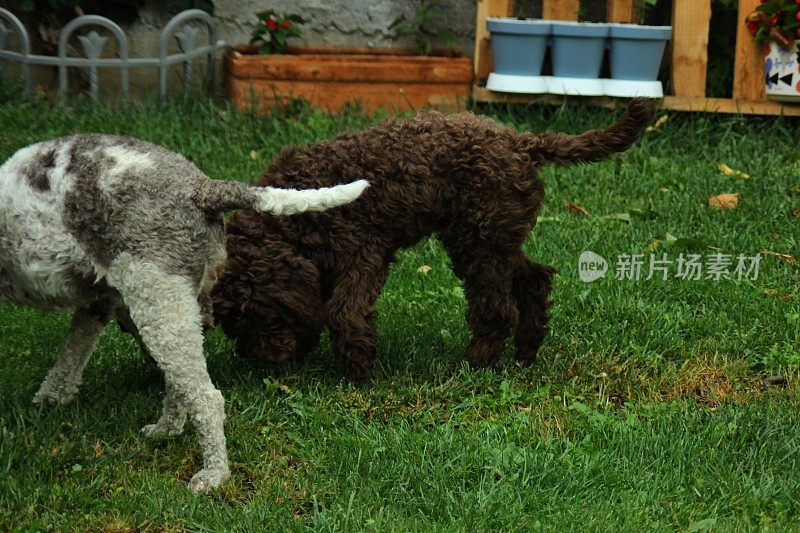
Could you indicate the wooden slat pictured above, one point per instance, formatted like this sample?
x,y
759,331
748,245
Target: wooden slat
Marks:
x,y
369,68
690,23
675,103
730,105
483,52
622,10
748,67
560,9
262,95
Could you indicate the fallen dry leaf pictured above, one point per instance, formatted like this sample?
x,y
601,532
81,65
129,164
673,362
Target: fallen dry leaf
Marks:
x,y
98,449
424,269
724,201
283,389
657,126
783,257
776,293
728,171
725,169
796,212
525,409
576,209
253,154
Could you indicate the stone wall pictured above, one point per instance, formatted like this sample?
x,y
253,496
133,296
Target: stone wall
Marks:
x,y
345,22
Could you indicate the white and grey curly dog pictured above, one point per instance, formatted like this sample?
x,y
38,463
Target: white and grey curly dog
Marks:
x,y
109,225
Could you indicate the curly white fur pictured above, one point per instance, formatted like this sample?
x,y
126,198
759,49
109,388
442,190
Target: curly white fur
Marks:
x,y
112,225
290,201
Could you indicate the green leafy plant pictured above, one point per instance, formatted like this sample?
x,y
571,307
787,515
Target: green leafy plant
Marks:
x,y
273,31
423,26
60,11
775,20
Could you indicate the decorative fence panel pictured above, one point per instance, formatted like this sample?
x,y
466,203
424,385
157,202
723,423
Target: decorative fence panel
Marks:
x,y
183,27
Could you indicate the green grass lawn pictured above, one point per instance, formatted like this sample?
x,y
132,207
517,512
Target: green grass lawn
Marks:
x,y
645,411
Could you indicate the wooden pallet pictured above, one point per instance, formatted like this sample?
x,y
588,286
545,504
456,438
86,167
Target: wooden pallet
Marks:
x,y
688,54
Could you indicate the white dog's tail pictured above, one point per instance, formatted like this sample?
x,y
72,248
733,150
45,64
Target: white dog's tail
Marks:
x,y
213,196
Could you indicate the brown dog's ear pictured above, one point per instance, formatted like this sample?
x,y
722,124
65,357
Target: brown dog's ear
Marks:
x,y
267,290
294,287
298,301
248,267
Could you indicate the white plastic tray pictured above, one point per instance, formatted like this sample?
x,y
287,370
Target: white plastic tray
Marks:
x,y
508,83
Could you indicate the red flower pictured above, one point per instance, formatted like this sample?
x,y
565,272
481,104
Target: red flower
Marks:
x,y
773,20
754,20
271,24
285,24
797,15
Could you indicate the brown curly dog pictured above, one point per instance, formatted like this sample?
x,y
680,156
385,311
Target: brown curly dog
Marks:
x,y
464,178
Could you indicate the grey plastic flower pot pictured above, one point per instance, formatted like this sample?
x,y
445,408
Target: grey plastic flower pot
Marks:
x,y
635,52
518,46
578,48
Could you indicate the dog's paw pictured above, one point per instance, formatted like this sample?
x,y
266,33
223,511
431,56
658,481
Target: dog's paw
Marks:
x,y
46,397
160,430
207,479
526,356
358,374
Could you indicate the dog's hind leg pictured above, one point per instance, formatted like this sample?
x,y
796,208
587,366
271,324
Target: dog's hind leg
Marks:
x,y
173,415
165,311
126,325
63,380
532,283
488,283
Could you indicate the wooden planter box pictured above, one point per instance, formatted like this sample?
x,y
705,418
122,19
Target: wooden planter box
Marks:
x,y
332,77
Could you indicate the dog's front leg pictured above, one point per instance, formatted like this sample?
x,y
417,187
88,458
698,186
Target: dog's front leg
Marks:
x,y
63,380
352,316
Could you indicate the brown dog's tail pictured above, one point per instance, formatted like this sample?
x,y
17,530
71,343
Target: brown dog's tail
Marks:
x,y
595,145
215,196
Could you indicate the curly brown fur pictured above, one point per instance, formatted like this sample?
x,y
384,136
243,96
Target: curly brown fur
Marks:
x,y
462,177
